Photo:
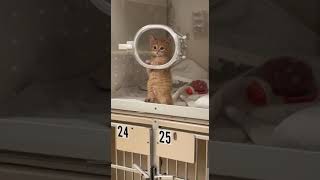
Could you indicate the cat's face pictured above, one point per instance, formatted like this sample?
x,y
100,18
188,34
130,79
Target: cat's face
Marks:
x,y
160,47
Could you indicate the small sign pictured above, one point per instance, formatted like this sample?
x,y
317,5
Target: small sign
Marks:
x,y
176,145
165,136
131,138
122,131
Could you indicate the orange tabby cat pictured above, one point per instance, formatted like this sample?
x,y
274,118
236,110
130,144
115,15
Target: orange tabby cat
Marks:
x,y
160,82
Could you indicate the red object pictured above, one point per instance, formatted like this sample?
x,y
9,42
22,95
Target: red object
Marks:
x,y
200,86
256,94
301,99
189,90
289,77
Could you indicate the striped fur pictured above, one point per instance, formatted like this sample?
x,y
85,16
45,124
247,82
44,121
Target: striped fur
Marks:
x,y
160,81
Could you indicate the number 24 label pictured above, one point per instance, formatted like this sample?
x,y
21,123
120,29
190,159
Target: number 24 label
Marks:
x,y
122,131
165,137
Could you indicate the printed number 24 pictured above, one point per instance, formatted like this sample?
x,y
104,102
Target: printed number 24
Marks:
x,y
123,132
165,137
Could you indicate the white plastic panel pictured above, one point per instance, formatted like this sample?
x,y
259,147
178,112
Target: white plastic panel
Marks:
x,y
163,109
133,139
176,145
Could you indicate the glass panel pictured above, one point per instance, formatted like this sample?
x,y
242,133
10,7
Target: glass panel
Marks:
x,y
266,75
53,73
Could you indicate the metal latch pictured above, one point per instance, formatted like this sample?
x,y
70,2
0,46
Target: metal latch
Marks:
x,y
127,46
135,169
141,171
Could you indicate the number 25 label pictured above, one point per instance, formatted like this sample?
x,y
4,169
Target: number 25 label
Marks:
x,y
122,131
165,136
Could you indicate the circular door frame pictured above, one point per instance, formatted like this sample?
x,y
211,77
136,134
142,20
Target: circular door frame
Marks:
x,y
176,39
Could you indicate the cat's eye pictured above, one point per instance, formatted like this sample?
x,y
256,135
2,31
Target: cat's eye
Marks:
x,y
154,47
162,48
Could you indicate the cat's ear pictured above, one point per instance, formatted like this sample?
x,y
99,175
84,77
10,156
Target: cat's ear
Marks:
x,y
152,38
169,39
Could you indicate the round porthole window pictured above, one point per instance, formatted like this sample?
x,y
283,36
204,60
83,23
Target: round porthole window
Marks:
x,y
156,46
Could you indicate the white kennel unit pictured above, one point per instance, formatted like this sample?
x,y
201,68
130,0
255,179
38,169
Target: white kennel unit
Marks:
x,y
167,147
157,141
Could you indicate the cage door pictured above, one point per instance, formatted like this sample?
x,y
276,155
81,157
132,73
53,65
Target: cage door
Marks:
x,y
182,155
131,152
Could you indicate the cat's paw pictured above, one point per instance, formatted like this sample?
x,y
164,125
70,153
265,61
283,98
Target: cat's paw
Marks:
x,y
150,100
148,61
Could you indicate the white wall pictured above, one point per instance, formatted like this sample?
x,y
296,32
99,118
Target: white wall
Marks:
x,y
128,16
198,47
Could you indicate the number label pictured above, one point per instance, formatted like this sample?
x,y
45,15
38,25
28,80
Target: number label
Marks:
x,y
165,137
122,131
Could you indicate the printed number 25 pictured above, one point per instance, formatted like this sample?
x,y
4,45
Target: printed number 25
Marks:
x,y
123,132
165,137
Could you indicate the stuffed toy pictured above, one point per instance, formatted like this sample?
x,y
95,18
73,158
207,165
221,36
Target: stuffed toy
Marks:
x,y
284,80
194,94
